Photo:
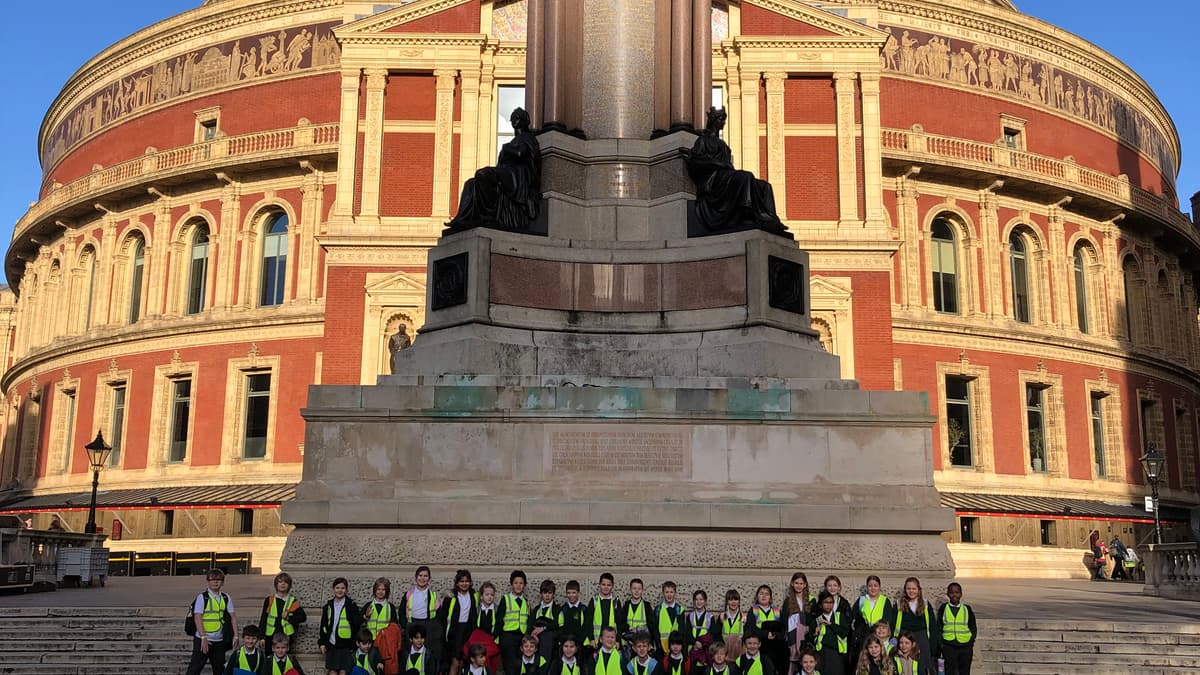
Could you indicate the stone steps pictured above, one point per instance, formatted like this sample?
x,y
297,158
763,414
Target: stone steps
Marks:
x,y
1087,648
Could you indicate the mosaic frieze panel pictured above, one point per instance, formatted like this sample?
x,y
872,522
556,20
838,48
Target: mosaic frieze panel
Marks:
x,y
262,56
996,71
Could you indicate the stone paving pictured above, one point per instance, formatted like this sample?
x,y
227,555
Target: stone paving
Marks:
x,y
1035,599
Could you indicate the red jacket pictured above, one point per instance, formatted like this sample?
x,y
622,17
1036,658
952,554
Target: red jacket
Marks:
x,y
388,643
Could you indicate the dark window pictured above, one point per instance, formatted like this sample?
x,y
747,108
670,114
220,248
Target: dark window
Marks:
x,y
1012,138
1098,435
968,529
181,413
245,521
1081,289
69,400
274,261
1020,277
209,128
1049,533
958,420
1035,398
168,522
945,268
258,409
118,424
89,264
135,282
198,271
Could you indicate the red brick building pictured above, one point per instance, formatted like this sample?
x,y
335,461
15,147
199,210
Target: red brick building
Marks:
x,y
237,202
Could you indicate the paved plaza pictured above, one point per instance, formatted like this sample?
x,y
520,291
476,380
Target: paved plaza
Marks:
x,y
1035,599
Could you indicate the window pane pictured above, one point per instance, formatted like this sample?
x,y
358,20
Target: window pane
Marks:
x,y
135,283
958,421
258,408
508,98
1098,436
1020,283
274,262
1034,395
198,273
117,425
1081,306
70,432
90,263
181,411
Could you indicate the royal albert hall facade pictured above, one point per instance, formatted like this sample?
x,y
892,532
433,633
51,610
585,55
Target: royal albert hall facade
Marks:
x,y
237,203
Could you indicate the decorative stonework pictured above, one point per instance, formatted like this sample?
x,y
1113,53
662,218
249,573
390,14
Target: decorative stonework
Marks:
x,y
263,57
1013,75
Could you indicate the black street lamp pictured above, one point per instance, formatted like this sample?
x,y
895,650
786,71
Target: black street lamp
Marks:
x,y
1152,466
97,452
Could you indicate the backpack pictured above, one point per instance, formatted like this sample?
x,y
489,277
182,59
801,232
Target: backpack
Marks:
x,y
189,619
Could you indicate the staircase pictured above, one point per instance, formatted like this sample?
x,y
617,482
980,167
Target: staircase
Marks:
x,y
1066,647
103,640
150,641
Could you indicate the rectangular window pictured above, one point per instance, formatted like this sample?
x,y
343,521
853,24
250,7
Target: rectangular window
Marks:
x,y
958,421
245,521
945,276
69,435
1049,534
508,98
1081,308
135,287
197,277
117,425
168,522
1035,400
258,408
1012,138
1101,466
1020,283
181,414
968,529
208,129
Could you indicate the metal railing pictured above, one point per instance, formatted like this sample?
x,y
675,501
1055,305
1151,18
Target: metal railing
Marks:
x,y
916,144
243,148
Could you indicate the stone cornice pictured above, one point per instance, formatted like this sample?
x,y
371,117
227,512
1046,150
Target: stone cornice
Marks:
x,y
158,39
1037,34
415,40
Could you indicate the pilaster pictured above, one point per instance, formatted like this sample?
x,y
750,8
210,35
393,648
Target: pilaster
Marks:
x,y
443,142
156,259
989,237
776,148
1060,262
312,194
843,86
347,145
908,221
104,272
485,153
372,145
733,83
1114,281
226,245
872,149
749,127
468,146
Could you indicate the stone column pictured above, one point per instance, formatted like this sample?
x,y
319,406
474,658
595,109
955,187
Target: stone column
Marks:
x,y
468,145
680,77
484,136
733,85
989,237
909,223
776,146
618,54
372,144
535,64
347,145
872,149
843,86
749,154
176,302
312,191
156,259
443,142
1060,262
105,258
226,244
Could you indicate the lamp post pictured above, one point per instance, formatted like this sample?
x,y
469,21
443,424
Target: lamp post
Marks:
x,y
97,452
1152,466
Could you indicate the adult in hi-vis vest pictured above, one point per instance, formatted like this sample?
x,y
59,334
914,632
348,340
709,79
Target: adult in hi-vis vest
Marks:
x,y
958,632
216,626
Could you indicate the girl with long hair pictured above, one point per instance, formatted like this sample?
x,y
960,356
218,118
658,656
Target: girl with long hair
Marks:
x,y
915,616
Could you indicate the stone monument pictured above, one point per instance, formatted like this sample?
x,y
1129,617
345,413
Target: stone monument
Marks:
x,y
614,379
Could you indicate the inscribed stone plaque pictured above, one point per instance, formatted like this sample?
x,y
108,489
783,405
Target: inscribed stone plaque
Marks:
x,y
630,451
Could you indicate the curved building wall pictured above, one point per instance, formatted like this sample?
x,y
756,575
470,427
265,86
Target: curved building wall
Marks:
x,y
973,233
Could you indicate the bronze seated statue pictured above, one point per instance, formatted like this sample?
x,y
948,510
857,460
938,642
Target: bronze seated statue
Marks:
x,y
728,199
506,196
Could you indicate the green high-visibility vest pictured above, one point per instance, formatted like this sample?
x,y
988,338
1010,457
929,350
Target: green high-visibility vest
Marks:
x,y
287,665
214,611
873,615
698,630
613,665
750,666
900,613
598,621
667,624
243,662
819,643
637,617
343,624
417,663
381,616
731,627
515,621
955,628
764,615
275,622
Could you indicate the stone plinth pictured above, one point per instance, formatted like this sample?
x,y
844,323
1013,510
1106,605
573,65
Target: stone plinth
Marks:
x,y
541,471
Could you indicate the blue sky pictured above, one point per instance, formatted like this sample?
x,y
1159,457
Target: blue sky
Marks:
x,y
45,42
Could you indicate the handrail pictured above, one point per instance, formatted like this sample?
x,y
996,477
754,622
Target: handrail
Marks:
x,y
314,137
1116,189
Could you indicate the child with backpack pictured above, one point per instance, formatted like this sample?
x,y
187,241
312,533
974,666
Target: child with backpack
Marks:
x,y
213,626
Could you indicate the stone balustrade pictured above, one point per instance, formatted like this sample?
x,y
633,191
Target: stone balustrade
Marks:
x,y
1173,571
915,144
19,546
215,153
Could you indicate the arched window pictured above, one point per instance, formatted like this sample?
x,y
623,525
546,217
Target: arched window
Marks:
x,y
274,260
88,263
944,256
1019,269
138,264
198,270
1081,290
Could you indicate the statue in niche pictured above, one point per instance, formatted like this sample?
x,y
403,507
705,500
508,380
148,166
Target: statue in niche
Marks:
x,y
506,196
397,342
728,198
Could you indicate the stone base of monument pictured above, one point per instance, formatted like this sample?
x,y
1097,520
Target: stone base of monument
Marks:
x,y
711,480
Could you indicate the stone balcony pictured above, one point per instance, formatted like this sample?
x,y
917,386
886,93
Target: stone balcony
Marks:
x,y
258,150
1093,193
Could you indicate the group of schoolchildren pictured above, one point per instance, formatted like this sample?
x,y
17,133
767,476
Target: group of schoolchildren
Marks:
x,y
473,631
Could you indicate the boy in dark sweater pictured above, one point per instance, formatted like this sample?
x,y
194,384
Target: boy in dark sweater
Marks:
x,y
367,656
